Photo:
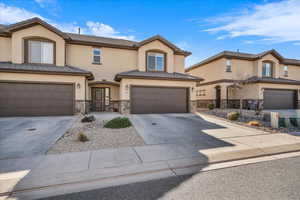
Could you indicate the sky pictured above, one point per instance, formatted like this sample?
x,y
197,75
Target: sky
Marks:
x,y
204,27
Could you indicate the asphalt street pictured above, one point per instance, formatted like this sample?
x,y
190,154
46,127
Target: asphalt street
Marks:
x,y
278,179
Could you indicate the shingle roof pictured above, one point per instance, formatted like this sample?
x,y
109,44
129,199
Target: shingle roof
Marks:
x,y
156,75
89,39
245,56
48,69
256,79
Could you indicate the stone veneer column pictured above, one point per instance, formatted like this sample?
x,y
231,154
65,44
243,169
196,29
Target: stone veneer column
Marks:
x,y
124,107
193,106
80,106
223,104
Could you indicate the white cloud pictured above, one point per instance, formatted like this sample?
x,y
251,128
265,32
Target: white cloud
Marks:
x,y
100,29
42,3
11,14
183,45
275,22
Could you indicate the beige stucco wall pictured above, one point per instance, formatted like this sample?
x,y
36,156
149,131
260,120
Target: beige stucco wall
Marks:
x,y
5,49
126,83
17,44
79,92
155,45
179,63
113,60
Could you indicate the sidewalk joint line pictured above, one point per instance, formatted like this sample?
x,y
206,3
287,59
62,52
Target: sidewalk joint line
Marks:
x,y
140,159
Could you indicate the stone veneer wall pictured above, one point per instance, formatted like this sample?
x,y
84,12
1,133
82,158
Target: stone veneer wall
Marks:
x,y
204,103
81,106
124,107
193,106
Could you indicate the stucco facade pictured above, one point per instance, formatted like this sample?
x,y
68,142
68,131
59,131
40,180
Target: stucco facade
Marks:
x,y
116,56
236,85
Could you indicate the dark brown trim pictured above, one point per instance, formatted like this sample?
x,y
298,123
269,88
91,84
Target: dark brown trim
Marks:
x,y
89,76
33,22
119,77
270,82
218,81
105,83
47,82
156,51
40,39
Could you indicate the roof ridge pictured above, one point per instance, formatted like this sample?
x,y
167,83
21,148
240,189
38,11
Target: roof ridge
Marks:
x,y
96,36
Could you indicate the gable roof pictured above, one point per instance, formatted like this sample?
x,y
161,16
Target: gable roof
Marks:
x,y
166,42
6,30
255,79
245,56
32,22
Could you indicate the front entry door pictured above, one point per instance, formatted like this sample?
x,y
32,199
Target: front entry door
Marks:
x,y
100,99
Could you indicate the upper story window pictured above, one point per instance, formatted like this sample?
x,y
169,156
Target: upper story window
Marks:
x,y
96,56
40,51
267,69
228,65
155,61
285,70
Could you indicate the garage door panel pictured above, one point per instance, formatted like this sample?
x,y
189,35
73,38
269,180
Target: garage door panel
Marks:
x,y
158,100
279,99
36,99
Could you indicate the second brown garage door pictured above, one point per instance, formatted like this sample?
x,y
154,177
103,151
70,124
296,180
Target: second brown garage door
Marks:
x,y
279,99
158,100
36,99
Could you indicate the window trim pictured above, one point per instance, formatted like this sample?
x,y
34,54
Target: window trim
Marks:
x,y
285,72
156,51
40,39
93,61
230,66
272,68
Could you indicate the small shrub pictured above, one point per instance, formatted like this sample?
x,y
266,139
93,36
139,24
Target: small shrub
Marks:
x,y
119,122
211,106
254,123
233,116
82,137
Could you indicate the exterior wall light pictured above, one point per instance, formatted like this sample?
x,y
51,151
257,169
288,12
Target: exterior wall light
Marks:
x,y
78,85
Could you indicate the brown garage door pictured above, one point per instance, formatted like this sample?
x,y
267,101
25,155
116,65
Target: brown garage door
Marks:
x,y
36,99
279,99
158,100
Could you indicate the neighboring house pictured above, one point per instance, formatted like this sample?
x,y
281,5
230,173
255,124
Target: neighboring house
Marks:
x,y
265,81
44,71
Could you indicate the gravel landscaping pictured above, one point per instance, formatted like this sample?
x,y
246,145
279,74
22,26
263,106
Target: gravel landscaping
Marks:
x,y
98,137
243,120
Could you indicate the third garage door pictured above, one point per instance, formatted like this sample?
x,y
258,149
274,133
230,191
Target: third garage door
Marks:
x,y
279,99
158,100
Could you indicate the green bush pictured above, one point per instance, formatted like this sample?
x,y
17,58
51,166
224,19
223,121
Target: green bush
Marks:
x,y
82,137
211,106
119,122
233,116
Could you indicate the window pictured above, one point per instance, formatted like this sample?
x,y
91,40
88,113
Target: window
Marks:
x,y
267,69
155,61
228,65
200,92
40,52
285,70
96,56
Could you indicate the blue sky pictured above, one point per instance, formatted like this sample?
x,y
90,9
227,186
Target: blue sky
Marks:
x,y
204,27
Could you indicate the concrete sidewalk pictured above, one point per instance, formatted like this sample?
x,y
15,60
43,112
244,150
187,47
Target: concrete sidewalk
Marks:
x,y
35,177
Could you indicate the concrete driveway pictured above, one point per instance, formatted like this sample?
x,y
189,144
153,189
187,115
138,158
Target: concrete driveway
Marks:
x,y
29,136
176,129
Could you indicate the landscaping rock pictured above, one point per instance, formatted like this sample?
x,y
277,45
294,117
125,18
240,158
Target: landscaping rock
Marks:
x,y
86,119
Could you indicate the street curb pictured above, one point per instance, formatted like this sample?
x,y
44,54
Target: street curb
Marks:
x,y
193,163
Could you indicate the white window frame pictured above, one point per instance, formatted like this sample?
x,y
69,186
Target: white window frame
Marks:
x,y
228,65
270,69
100,59
44,57
156,55
285,70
